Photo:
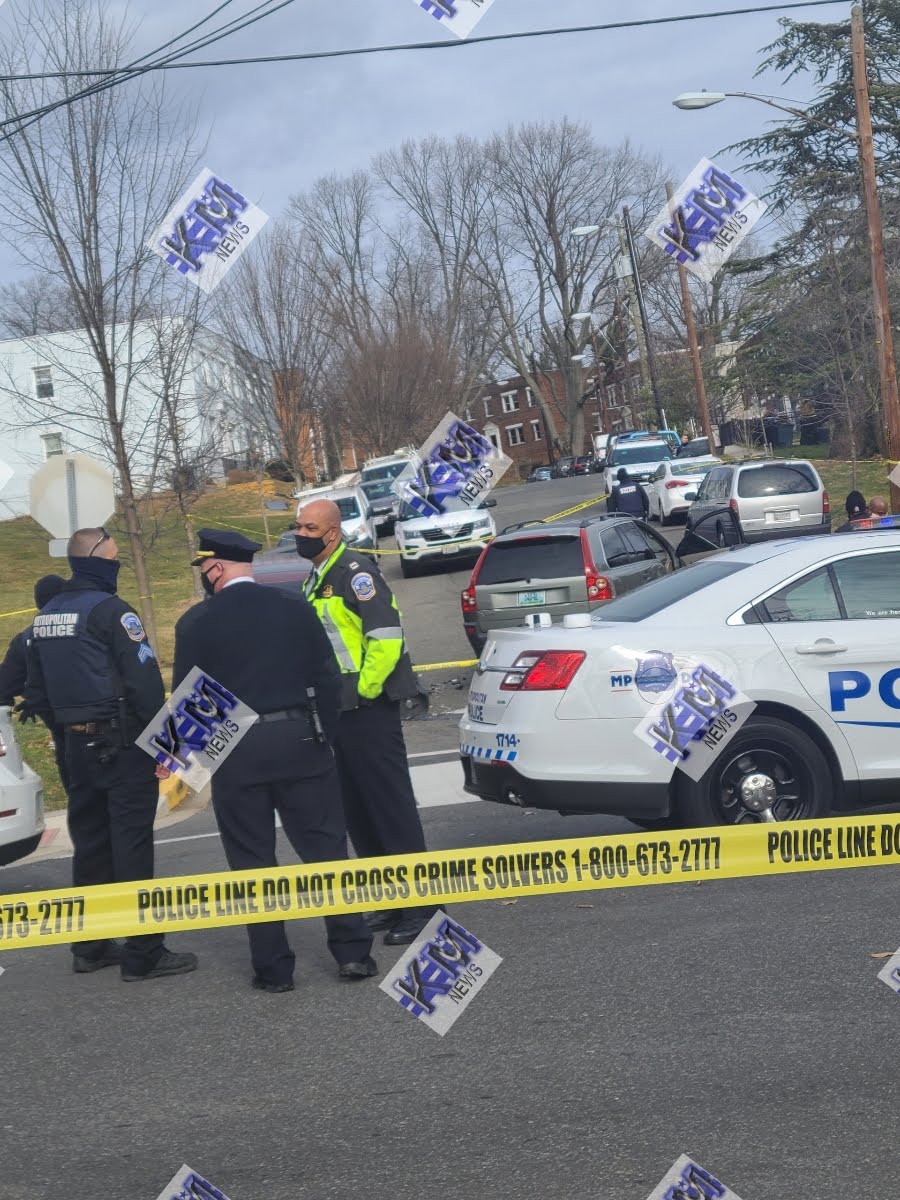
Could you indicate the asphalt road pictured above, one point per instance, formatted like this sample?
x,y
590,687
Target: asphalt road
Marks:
x,y
738,1021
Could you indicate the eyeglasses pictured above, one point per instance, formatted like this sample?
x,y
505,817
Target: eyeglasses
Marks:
x,y
105,538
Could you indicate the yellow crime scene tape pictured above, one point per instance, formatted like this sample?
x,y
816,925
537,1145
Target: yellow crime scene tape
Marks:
x,y
19,612
470,874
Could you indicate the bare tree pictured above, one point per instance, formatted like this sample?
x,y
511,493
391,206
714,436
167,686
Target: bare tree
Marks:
x,y
83,189
36,305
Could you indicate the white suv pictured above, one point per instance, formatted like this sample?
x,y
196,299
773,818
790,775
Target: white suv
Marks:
x,y
21,798
449,536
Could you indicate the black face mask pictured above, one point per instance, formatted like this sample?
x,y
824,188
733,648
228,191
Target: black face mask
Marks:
x,y
208,585
309,547
103,573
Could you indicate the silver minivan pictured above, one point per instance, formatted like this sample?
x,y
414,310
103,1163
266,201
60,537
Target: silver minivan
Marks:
x,y
770,498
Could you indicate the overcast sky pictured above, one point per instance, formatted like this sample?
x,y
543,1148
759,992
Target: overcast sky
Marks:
x,y
274,128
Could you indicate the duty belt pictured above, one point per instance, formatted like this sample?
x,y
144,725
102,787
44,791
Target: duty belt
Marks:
x,y
92,727
286,714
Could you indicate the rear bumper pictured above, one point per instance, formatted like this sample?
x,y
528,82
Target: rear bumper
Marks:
x,y
13,851
775,533
20,832
503,784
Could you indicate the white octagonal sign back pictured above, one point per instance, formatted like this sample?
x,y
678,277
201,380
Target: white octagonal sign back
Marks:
x,y
71,491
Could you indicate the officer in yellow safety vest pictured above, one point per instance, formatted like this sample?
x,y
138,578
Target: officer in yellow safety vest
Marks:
x,y
361,618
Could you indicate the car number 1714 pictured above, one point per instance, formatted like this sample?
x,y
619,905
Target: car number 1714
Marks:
x,y
507,739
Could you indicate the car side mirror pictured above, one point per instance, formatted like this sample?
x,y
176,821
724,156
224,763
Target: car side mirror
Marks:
x,y
690,495
488,504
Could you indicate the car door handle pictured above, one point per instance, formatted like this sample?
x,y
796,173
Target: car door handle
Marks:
x,y
823,646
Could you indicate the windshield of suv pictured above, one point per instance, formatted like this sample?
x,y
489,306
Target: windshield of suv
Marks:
x,y
379,490
391,471
349,507
542,556
653,597
636,453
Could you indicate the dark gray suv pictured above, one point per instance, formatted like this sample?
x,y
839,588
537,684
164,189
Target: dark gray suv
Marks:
x,y
560,568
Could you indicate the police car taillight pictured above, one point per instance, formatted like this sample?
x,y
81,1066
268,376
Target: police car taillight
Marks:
x,y
826,504
598,586
544,671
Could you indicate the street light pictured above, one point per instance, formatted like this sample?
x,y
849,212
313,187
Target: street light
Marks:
x,y
865,142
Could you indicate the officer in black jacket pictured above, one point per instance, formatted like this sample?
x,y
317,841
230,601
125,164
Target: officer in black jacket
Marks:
x,y
269,649
14,672
92,669
627,497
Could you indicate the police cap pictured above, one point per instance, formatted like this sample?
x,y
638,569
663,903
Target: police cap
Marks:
x,y
222,543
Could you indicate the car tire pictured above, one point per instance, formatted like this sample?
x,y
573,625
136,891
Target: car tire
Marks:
x,y
409,569
767,746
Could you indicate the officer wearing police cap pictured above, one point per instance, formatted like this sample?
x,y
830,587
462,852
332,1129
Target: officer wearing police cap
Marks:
x,y
92,671
269,649
362,620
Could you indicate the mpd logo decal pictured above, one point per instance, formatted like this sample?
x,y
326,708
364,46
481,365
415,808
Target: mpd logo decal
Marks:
x,y
363,586
655,673
131,623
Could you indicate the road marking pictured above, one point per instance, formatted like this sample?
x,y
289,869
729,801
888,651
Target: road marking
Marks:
x,y
437,788
434,753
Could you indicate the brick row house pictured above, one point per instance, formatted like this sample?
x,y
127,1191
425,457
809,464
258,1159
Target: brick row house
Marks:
x,y
508,414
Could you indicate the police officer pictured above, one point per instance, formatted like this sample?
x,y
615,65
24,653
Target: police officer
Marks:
x,y
90,666
362,621
268,649
14,672
627,497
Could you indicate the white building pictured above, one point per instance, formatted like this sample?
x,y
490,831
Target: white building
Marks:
x,y
215,397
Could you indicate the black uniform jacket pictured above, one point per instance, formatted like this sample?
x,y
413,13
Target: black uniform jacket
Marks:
x,y
267,647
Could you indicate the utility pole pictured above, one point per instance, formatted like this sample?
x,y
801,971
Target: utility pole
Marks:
x,y
696,361
635,313
642,309
600,385
884,334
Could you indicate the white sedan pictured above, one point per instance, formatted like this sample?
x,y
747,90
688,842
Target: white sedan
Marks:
x,y
21,798
807,632
669,484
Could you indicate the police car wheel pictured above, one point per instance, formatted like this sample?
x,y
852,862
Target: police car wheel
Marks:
x,y
772,771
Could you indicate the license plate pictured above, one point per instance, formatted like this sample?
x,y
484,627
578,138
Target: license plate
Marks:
x,y
526,599
784,516
450,550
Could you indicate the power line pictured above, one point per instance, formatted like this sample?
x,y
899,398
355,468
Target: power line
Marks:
x,y
313,55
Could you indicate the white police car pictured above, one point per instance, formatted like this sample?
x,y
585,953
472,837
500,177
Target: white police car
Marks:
x,y
809,631
21,798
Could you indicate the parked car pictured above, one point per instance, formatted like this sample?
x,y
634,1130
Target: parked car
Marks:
x,y
564,467
560,568
669,484
377,470
448,537
383,503
640,458
282,566
356,520
21,797
584,465
770,499
540,475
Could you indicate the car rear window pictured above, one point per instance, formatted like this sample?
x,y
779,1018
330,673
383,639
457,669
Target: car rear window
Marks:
x,y
781,480
639,454
540,557
653,597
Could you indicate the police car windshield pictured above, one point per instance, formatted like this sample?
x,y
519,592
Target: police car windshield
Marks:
x,y
348,506
622,455
653,597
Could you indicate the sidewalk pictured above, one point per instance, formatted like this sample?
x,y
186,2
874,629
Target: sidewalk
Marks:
x,y
56,842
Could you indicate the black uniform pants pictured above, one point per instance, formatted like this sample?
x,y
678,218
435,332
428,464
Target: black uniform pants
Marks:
x,y
376,788
112,807
310,811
